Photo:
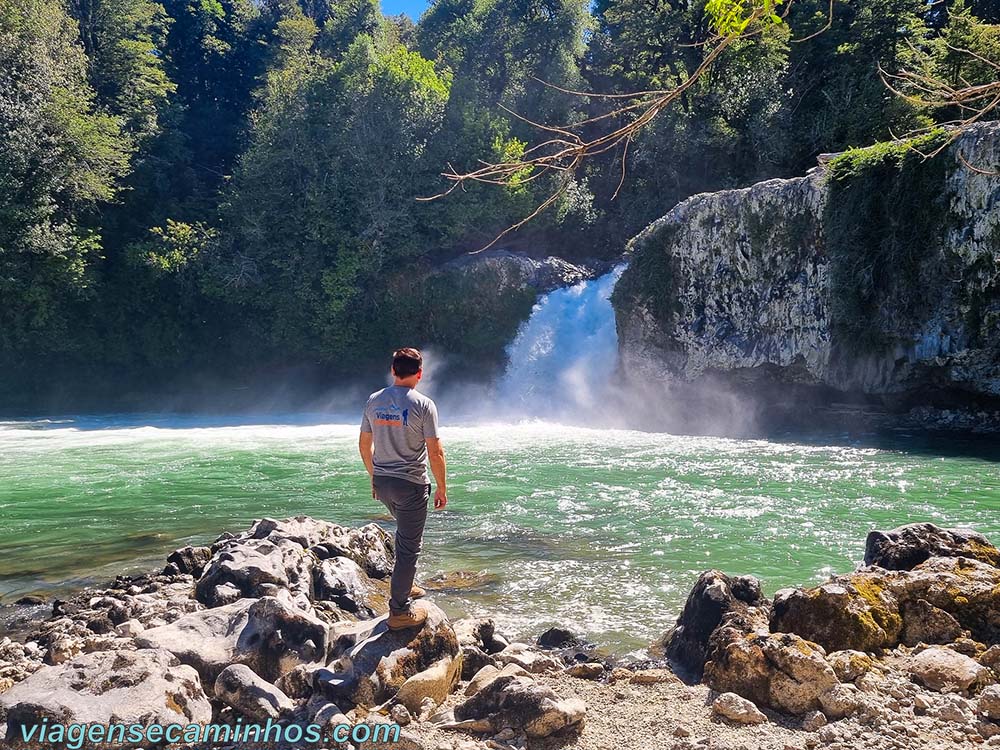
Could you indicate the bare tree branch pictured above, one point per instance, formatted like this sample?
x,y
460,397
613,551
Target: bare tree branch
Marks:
x,y
567,148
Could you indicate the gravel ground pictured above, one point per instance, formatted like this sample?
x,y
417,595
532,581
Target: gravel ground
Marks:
x,y
622,716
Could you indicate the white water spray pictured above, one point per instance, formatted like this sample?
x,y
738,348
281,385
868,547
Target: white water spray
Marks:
x,y
564,357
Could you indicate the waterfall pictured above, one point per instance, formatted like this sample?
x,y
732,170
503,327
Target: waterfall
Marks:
x,y
565,355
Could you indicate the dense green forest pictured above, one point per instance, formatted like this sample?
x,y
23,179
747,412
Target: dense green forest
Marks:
x,y
227,188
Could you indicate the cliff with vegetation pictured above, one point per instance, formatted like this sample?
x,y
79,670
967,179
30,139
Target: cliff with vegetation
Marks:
x,y
875,274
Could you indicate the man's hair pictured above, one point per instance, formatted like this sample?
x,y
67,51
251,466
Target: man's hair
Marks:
x,y
406,362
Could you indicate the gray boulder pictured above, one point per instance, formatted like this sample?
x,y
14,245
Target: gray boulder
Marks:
x,y
520,704
267,635
342,581
372,662
240,688
256,568
130,687
905,547
205,640
371,547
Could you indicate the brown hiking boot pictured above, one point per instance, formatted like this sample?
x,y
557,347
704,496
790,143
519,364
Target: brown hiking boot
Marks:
x,y
404,620
417,593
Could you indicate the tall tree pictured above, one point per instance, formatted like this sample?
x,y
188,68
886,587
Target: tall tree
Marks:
x,y
59,157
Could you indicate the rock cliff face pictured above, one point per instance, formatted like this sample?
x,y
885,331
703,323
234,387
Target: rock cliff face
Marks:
x,y
876,273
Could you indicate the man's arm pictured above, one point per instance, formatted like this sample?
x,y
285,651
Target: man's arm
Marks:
x,y
365,443
435,452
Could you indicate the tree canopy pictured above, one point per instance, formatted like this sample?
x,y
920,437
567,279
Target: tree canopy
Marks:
x,y
225,188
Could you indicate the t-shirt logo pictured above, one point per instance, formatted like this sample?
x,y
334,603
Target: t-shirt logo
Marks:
x,y
391,416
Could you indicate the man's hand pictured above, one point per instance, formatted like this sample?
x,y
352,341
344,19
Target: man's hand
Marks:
x,y
435,451
366,447
440,498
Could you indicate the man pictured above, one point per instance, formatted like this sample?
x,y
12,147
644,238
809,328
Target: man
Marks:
x,y
399,433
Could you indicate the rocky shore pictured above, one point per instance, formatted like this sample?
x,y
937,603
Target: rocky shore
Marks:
x,y
285,622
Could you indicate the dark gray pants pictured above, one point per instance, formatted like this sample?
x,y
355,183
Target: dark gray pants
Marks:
x,y
407,502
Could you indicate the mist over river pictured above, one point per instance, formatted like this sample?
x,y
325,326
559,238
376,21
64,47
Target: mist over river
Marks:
x,y
600,530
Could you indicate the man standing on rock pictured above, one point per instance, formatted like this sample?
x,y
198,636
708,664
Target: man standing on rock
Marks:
x,y
399,433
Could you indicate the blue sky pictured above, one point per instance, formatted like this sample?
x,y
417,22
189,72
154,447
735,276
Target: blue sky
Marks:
x,y
412,8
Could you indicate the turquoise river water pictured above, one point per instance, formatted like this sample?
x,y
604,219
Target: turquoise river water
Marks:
x,y
600,530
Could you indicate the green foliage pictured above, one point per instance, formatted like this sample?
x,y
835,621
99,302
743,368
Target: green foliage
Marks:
x,y
59,158
123,40
733,17
318,210
885,218
193,186
174,247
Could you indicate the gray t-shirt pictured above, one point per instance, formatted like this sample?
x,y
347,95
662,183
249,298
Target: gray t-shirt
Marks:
x,y
400,420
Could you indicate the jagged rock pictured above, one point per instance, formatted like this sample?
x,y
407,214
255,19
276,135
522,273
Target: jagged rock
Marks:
x,y
691,305
849,665
188,560
243,690
256,568
512,271
205,640
436,682
848,613
866,610
486,675
925,623
144,687
733,707
522,705
481,633
905,547
989,702
400,714
473,660
372,662
371,547
558,638
944,670
953,709
777,670
61,650
267,635
342,581
714,596
962,587
527,658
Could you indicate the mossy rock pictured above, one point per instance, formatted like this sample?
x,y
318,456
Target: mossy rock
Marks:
x,y
855,613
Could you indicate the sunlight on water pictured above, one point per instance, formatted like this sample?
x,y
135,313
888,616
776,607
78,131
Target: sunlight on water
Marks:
x,y
600,530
